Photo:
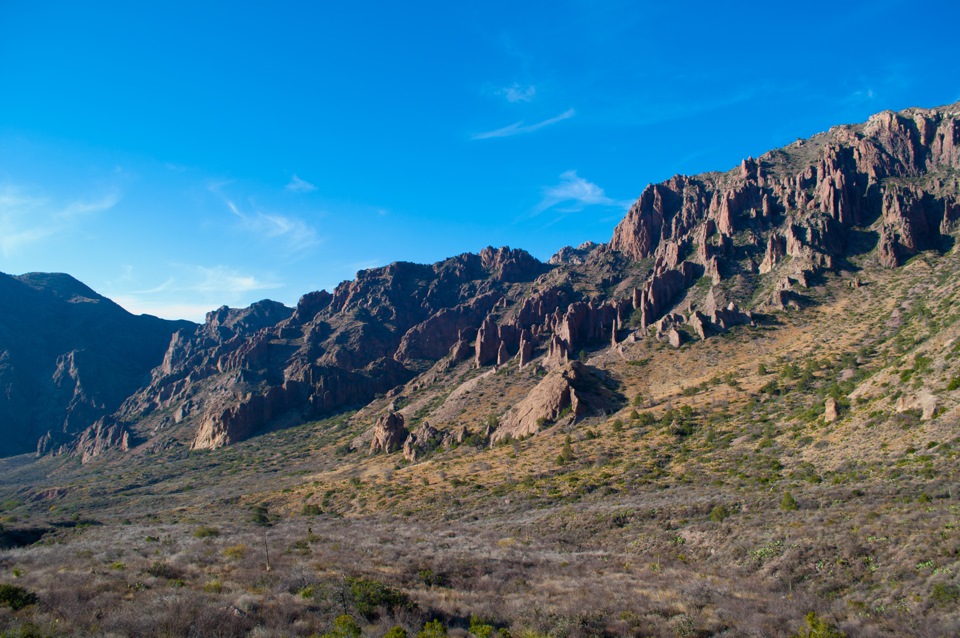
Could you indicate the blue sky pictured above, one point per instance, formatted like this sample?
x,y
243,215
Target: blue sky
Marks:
x,y
178,156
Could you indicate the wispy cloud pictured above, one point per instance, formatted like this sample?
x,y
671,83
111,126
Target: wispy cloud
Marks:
x,y
295,232
191,290
519,128
574,194
216,279
27,219
224,279
299,185
518,93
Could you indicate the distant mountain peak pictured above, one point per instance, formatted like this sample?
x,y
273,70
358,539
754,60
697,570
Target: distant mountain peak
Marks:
x,y
62,286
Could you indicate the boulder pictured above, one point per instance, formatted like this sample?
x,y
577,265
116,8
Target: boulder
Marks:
x,y
830,413
389,433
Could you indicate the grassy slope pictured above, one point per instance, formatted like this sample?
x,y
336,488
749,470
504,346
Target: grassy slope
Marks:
x,y
667,518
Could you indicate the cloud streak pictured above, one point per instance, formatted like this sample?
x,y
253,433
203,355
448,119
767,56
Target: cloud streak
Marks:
x,y
517,93
28,219
299,185
519,128
296,233
192,290
574,194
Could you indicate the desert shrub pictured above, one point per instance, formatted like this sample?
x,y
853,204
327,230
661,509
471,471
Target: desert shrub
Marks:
x,y
369,596
645,419
26,630
480,629
214,586
566,453
206,532
430,578
235,552
819,628
311,509
944,594
719,513
344,627
396,632
789,503
433,629
161,569
15,597
260,515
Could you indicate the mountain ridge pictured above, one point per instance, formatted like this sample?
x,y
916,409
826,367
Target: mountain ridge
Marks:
x,y
68,357
693,257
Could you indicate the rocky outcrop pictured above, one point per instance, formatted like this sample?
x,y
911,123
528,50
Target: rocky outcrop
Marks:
x,y
566,393
423,440
912,221
574,256
236,374
389,434
776,250
659,292
433,338
105,434
830,412
526,349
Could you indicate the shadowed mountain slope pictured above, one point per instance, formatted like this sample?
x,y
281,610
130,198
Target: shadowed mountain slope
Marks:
x,y
68,357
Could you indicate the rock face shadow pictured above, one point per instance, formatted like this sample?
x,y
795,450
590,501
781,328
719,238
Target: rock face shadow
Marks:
x,y
568,393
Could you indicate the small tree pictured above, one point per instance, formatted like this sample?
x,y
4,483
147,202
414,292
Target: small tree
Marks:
x,y
344,627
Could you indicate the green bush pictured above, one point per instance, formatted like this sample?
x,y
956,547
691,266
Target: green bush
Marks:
x,y
944,594
260,515
344,627
396,632
311,509
433,629
161,569
819,628
16,597
645,419
369,596
206,532
430,578
789,503
719,513
480,629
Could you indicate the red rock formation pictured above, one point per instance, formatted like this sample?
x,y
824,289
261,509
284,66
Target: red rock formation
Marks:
x,y
526,349
659,292
423,439
776,250
389,434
